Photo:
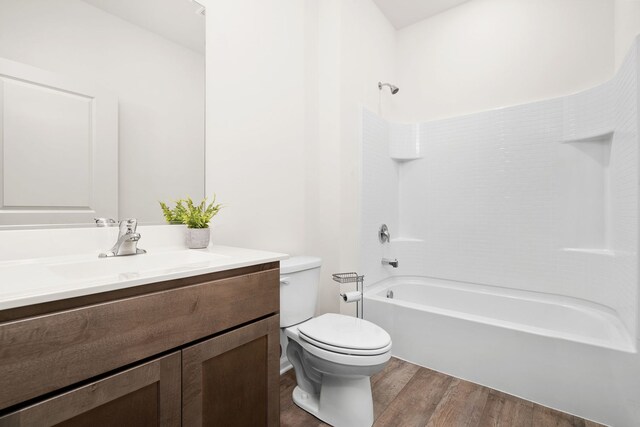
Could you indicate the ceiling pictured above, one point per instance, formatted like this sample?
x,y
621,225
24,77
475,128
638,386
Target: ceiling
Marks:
x,y
175,20
402,13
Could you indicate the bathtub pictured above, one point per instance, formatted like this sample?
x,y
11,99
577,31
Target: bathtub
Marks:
x,y
561,352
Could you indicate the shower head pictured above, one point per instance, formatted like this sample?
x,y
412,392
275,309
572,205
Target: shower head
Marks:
x,y
394,89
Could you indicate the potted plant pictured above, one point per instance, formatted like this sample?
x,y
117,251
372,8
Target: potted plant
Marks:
x,y
196,217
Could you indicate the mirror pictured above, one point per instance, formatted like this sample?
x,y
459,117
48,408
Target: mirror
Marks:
x,y
101,109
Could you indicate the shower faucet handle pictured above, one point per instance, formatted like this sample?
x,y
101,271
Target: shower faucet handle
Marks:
x,y
383,234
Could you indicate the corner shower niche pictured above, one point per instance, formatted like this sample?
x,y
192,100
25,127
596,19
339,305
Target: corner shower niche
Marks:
x,y
583,196
405,141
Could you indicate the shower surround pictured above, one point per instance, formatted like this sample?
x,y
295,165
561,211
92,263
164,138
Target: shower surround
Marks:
x,y
532,202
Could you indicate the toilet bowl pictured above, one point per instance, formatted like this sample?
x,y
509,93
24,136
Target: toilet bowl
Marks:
x,y
333,355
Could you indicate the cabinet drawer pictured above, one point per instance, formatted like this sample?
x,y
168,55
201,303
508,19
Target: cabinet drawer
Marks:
x,y
42,354
146,396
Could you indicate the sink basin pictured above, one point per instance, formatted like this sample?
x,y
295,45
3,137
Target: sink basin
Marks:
x,y
135,265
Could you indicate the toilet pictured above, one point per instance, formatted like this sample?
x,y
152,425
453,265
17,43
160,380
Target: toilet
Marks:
x,y
333,355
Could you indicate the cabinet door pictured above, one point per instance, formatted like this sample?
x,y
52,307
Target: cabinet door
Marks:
x,y
146,395
232,380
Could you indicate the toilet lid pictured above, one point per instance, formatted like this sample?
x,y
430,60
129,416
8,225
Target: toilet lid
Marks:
x,y
346,332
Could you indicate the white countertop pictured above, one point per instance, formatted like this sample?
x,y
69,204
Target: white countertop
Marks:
x,y
43,279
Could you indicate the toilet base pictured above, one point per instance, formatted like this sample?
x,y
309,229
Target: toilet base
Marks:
x,y
343,401
306,401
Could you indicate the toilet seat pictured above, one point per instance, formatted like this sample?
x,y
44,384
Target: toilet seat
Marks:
x,y
345,334
343,350
331,356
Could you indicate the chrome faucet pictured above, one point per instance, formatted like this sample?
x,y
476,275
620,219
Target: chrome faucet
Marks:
x,y
392,262
127,243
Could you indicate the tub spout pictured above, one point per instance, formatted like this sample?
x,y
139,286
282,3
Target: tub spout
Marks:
x,y
392,262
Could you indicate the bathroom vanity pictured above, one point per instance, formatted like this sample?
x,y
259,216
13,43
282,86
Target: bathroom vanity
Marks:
x,y
200,348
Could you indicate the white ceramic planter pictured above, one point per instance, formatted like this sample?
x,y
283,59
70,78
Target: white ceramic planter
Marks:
x,y
198,238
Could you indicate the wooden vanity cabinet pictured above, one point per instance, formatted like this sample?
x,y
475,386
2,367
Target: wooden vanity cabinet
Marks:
x,y
202,351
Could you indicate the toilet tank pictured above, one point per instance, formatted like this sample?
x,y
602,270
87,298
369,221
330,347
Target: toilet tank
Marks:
x,y
299,278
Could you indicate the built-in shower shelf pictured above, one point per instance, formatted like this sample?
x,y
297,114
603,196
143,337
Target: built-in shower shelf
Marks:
x,y
583,193
591,251
405,141
606,136
406,240
405,158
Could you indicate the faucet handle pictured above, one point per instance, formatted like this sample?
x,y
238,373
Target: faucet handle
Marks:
x,y
128,225
383,234
104,222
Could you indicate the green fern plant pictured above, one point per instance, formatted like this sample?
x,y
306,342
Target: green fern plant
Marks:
x,y
199,215
172,216
191,214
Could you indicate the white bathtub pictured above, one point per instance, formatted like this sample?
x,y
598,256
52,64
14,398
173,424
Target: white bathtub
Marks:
x,y
558,351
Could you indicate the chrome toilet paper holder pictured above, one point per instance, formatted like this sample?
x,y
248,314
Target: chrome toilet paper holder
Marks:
x,y
352,277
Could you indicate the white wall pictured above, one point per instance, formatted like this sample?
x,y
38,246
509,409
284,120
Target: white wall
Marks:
x,y
486,54
627,27
322,141
369,44
356,44
256,122
159,85
284,82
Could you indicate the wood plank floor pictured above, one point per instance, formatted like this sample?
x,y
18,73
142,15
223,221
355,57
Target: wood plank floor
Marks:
x,y
408,395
